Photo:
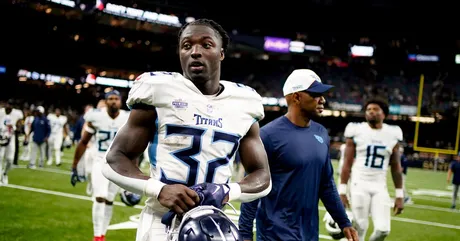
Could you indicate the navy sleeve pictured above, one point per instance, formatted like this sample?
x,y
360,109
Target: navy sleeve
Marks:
x,y
248,210
47,128
330,196
32,127
246,219
404,163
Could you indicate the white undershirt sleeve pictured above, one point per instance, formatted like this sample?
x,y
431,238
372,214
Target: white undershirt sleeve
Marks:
x,y
149,188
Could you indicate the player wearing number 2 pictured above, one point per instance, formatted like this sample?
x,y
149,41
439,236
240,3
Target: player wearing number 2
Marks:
x,y
103,124
374,146
194,123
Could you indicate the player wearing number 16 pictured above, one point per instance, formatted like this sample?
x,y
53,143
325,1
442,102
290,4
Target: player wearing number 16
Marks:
x,y
193,123
374,146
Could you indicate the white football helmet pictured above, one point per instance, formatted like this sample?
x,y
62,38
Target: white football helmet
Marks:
x,y
67,142
333,228
5,135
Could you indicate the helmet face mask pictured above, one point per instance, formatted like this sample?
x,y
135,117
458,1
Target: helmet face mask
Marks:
x,y
333,228
203,223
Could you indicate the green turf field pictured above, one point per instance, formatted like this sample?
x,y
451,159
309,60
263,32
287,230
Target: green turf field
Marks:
x,y
41,205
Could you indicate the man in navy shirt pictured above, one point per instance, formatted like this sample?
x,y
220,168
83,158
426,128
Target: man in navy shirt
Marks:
x,y
404,165
298,151
454,169
42,130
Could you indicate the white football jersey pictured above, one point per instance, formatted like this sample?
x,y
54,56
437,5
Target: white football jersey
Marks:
x,y
57,123
92,141
28,123
342,157
106,128
197,135
12,118
373,150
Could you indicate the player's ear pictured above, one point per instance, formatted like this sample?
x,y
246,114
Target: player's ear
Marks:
x,y
222,54
296,97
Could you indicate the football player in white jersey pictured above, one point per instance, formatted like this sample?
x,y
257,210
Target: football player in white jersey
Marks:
x,y
9,118
104,125
374,146
59,130
195,122
341,158
27,127
84,167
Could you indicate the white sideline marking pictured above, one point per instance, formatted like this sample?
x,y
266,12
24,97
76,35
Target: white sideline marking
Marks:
x,y
436,199
63,194
417,206
81,197
44,169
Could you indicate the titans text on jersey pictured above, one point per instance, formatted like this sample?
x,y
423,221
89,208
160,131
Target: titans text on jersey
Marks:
x,y
197,135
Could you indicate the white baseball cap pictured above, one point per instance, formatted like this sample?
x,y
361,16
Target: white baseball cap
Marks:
x,y
41,109
304,79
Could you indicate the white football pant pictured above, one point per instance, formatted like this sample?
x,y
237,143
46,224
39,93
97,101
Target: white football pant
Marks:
x,y
54,143
7,156
371,198
101,186
150,227
27,149
33,153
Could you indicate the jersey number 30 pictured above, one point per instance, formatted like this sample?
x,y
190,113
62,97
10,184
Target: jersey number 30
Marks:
x,y
373,158
186,155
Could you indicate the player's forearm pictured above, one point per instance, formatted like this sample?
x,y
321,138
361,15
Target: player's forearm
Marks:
x,y
349,157
397,178
79,151
255,185
449,175
334,206
345,174
122,171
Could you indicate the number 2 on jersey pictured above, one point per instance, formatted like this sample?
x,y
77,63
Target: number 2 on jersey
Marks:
x,y
186,155
104,139
376,160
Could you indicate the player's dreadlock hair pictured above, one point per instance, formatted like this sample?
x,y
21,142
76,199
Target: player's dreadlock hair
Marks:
x,y
212,24
379,101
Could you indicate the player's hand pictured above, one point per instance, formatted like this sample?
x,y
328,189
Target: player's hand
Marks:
x,y
344,199
399,206
226,198
74,178
178,198
351,234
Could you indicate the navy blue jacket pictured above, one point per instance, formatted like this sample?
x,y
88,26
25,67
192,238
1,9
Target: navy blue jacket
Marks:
x,y
302,174
41,129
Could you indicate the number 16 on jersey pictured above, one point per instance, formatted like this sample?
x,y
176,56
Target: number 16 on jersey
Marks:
x,y
374,157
